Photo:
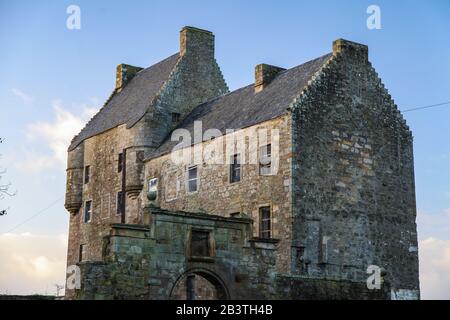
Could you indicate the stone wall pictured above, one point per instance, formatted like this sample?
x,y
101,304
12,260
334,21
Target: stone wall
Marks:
x,y
195,78
152,262
353,177
149,261
216,195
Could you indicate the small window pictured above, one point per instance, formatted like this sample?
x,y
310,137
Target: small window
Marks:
x,y
140,156
120,163
82,255
120,203
199,243
192,179
175,117
265,160
87,174
88,211
235,168
264,223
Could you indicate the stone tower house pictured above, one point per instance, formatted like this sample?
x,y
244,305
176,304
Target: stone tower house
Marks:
x,y
298,186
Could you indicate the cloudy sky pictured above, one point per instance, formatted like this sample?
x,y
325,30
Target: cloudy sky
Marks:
x,y
54,79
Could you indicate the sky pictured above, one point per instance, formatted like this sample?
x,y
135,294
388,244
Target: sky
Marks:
x,y
53,79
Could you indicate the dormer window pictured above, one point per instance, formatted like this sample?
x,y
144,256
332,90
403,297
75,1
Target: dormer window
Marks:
x,y
175,117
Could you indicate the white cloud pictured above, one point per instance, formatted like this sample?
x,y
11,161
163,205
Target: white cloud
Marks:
x,y
433,225
32,264
22,95
55,136
434,260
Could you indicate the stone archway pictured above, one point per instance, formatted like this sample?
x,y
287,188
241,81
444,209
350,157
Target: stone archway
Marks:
x,y
199,284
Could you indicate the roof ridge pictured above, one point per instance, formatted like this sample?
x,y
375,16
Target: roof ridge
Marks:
x,y
90,120
144,86
243,107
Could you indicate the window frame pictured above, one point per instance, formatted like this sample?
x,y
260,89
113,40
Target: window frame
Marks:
x,y
233,166
263,231
208,244
90,211
120,199
87,174
263,152
82,249
176,116
188,179
120,163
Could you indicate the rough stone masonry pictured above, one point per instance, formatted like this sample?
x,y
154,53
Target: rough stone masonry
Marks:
x,y
330,197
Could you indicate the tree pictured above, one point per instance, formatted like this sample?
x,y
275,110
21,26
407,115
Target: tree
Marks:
x,y
58,289
4,188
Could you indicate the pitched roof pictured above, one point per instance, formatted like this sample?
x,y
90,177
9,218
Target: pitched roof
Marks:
x,y
131,103
243,107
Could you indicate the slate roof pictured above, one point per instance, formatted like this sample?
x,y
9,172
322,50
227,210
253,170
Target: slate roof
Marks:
x,y
131,103
243,107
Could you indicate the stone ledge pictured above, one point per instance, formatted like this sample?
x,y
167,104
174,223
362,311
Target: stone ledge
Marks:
x,y
130,231
197,215
263,243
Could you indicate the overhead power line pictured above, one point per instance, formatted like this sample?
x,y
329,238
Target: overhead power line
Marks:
x,y
36,214
426,107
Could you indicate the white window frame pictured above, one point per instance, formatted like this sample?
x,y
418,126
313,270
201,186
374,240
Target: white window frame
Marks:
x,y
265,156
188,180
90,213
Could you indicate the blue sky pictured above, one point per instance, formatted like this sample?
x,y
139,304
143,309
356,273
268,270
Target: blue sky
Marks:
x,y
53,79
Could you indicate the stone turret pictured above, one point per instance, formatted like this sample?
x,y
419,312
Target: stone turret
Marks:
x,y
74,184
134,166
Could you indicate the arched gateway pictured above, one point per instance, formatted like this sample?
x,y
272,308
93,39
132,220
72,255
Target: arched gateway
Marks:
x,y
199,284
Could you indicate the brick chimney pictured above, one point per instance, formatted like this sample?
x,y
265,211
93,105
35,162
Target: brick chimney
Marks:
x,y
264,74
197,43
124,73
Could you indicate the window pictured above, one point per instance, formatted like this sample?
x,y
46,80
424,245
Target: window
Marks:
x,y
175,117
265,161
140,155
192,179
120,203
152,189
153,185
87,211
264,222
120,163
82,255
235,168
199,243
87,174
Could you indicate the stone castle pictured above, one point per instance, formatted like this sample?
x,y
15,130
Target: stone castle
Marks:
x,y
312,196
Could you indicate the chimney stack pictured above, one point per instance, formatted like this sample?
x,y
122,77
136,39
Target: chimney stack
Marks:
x,y
264,74
351,49
197,43
124,73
